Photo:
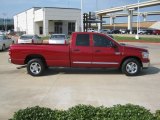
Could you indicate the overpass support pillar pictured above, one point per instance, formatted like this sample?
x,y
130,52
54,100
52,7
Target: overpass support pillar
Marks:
x,y
130,19
112,20
100,24
144,17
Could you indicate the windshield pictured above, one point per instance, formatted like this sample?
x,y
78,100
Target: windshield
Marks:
x,y
58,37
25,37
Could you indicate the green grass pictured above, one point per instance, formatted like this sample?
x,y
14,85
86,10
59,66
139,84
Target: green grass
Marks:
x,y
45,37
144,39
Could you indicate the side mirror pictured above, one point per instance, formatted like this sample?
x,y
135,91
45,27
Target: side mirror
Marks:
x,y
113,45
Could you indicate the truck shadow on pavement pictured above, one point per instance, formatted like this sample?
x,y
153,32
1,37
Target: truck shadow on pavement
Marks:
x,y
150,71
53,71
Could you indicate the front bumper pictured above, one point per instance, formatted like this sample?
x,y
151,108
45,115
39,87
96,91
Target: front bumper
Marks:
x,y
146,65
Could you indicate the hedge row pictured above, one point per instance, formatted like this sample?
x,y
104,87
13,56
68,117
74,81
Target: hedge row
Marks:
x,y
88,112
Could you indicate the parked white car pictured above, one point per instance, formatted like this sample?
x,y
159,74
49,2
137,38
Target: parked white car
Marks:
x,y
29,39
58,39
5,42
91,30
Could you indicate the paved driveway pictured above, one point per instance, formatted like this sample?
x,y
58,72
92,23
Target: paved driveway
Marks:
x,y
63,87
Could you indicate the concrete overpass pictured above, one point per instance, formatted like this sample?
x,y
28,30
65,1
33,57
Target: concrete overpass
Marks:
x,y
143,14
129,8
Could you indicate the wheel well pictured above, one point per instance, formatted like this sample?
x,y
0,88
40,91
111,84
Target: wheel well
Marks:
x,y
28,58
131,57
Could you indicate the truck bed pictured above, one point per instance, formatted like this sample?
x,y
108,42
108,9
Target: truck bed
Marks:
x,y
55,55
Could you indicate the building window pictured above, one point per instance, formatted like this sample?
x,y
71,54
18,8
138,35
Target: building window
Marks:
x,y
58,27
71,28
40,30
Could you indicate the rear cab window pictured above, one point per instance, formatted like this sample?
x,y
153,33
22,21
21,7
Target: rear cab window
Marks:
x,y
82,40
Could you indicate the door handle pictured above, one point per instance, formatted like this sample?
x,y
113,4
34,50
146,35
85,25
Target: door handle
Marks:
x,y
76,50
97,51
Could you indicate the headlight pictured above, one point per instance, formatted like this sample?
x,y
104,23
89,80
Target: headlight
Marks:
x,y
145,55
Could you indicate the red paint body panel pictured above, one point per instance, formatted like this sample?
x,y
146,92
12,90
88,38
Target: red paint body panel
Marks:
x,y
77,56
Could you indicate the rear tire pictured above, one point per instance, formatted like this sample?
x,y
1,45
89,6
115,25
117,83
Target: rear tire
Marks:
x,y
131,67
35,67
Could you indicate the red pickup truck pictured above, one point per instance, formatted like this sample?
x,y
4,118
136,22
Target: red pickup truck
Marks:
x,y
85,50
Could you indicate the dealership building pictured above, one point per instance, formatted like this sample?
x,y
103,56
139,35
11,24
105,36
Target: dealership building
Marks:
x,y
48,20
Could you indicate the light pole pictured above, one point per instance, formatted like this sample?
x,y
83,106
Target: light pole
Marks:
x,y
96,5
82,16
137,36
4,21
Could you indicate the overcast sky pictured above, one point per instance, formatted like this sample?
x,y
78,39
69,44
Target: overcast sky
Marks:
x,y
12,7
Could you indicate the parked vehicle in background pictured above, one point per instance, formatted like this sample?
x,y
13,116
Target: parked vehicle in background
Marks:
x,y
123,31
134,31
5,42
58,39
91,30
105,31
86,50
115,32
10,32
29,39
156,32
2,32
149,31
142,31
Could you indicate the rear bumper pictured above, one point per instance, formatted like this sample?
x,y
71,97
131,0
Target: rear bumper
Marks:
x,y
9,60
146,65
16,61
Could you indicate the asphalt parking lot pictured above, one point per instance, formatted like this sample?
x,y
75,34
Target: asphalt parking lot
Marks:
x,y
63,87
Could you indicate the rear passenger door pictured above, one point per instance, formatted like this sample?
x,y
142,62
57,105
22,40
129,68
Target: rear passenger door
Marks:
x,y
81,50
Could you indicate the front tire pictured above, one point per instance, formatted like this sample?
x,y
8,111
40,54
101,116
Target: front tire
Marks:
x,y
35,67
131,67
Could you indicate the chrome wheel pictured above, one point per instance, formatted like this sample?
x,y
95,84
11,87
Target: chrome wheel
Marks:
x,y
35,68
131,67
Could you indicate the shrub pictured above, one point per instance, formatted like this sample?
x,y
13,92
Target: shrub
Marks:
x,y
157,114
39,113
88,112
82,112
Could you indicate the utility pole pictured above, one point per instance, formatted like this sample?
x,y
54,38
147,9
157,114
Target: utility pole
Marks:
x,y
82,16
4,21
137,36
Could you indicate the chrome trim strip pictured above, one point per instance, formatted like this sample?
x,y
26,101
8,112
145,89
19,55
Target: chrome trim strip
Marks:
x,y
98,63
115,63
77,62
